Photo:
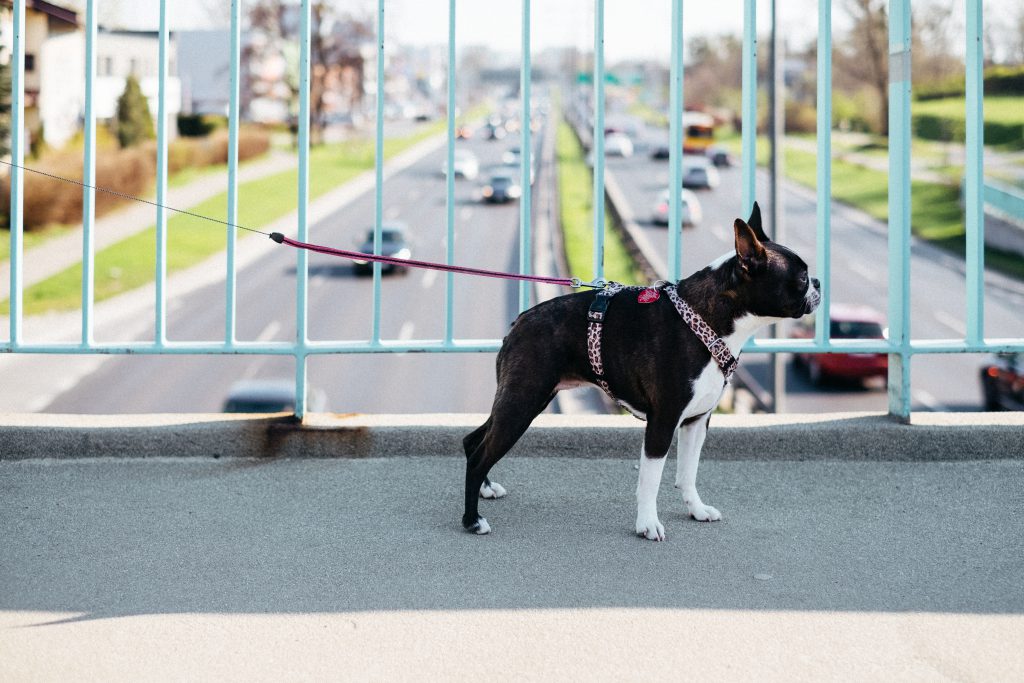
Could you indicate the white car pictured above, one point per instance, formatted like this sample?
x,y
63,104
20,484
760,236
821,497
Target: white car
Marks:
x,y
466,165
689,208
618,145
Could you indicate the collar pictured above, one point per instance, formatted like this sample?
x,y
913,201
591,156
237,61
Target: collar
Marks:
x,y
715,344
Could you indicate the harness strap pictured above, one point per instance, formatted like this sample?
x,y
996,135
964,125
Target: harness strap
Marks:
x,y
599,310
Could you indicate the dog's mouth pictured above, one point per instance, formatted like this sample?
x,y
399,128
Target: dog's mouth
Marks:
x,y
812,301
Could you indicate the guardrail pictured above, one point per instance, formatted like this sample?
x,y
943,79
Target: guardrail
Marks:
x,y
899,346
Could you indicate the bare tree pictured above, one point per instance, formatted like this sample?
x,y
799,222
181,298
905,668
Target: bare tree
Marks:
x,y
862,58
336,61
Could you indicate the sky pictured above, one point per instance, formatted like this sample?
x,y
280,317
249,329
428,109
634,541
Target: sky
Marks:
x,y
634,29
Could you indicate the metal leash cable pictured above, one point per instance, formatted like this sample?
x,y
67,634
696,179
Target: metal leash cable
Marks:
x,y
281,239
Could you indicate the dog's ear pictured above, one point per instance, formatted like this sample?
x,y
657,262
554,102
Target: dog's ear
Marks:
x,y
755,223
750,252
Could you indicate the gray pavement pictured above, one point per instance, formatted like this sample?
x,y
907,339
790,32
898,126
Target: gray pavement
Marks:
x,y
356,569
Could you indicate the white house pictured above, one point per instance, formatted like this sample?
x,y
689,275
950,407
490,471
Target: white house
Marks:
x,y
123,53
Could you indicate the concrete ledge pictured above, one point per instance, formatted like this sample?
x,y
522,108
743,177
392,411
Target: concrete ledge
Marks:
x,y
839,436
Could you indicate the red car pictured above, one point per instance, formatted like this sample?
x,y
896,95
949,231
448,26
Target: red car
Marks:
x,y
1002,382
847,322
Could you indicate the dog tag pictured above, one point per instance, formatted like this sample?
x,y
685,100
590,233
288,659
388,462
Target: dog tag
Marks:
x,y
648,296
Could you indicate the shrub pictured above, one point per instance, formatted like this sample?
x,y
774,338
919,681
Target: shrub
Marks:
x,y
199,125
129,171
133,122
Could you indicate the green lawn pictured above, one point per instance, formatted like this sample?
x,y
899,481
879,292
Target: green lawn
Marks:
x,y
575,188
997,109
131,263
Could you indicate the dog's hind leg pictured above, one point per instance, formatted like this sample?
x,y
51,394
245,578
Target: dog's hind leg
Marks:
x,y
510,418
489,489
691,441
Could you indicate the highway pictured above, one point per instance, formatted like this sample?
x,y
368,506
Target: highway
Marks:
x,y
859,275
413,305
341,308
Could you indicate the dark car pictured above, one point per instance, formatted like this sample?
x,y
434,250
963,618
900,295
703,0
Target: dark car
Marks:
x,y
720,157
269,396
501,188
845,322
1002,382
392,243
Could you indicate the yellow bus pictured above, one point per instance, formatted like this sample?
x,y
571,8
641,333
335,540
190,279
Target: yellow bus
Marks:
x,y
698,132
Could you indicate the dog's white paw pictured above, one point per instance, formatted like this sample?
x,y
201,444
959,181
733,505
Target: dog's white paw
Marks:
x,y
495,490
704,513
650,528
480,528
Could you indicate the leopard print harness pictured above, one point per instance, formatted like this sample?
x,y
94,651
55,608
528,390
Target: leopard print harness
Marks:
x,y
599,310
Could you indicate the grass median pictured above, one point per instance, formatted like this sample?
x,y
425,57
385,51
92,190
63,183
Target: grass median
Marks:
x,y
576,211
131,263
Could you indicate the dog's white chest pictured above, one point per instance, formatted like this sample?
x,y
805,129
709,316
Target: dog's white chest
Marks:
x,y
707,391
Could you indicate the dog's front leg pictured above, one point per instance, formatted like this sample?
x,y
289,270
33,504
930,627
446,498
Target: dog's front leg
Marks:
x,y
652,464
691,440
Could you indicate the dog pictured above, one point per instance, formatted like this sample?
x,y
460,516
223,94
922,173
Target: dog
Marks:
x,y
651,355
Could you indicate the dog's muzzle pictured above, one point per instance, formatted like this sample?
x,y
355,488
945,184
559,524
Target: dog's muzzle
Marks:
x,y
813,297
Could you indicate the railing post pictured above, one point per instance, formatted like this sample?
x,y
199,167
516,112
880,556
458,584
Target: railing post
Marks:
x,y
526,162
378,212
302,266
899,207
749,116
161,183
974,212
17,224
675,135
824,184
449,255
89,177
231,298
597,146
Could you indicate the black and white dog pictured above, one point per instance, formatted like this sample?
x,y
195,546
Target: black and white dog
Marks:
x,y
653,353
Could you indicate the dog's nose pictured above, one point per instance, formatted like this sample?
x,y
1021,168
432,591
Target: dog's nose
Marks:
x,y
816,283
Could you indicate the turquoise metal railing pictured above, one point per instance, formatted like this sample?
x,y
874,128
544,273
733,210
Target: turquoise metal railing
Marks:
x,y
900,347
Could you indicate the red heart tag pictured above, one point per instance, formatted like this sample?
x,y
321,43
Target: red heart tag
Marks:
x,y
648,296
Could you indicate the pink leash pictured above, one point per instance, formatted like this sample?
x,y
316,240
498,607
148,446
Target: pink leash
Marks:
x,y
392,260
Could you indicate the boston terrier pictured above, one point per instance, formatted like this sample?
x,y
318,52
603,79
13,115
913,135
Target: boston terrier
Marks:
x,y
664,352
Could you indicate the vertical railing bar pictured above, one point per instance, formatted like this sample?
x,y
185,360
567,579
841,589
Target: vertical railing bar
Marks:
x,y
675,136
974,215
526,161
89,177
160,334
899,207
749,106
17,224
302,266
231,295
449,256
824,183
597,146
379,170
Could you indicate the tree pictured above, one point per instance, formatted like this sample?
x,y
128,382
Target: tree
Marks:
x,y
336,61
862,58
133,123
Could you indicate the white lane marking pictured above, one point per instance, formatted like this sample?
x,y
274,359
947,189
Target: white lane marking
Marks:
x,y
465,213
950,321
392,212
429,278
719,232
929,401
405,333
269,331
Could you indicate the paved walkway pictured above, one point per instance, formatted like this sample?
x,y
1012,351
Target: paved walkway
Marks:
x,y
278,569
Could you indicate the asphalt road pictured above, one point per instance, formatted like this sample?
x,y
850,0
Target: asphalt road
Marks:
x,y
859,275
121,569
341,308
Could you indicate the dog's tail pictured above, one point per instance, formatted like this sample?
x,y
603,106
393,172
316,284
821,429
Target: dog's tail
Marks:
x,y
473,441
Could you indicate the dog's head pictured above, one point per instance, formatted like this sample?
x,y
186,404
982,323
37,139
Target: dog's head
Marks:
x,y
771,280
